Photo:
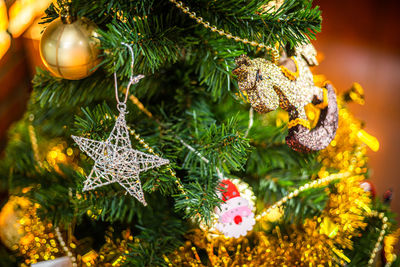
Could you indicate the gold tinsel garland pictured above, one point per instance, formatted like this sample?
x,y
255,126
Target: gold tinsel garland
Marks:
x,y
21,230
319,241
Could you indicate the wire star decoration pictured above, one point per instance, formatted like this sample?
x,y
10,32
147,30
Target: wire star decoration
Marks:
x,y
116,161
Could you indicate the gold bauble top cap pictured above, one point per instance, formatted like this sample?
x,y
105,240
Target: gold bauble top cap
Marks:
x,y
66,15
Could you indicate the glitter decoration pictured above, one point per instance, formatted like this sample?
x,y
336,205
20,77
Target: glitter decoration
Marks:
x,y
42,244
389,244
302,139
269,86
355,94
347,152
116,248
309,54
22,231
11,230
115,160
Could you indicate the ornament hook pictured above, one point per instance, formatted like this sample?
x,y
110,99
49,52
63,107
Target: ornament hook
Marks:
x,y
132,80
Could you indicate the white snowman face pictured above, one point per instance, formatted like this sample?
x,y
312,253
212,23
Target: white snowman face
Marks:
x,y
235,217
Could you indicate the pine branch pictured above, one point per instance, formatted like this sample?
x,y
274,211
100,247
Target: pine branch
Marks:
x,y
50,92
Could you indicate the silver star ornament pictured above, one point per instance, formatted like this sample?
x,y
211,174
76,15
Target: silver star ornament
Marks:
x,y
116,161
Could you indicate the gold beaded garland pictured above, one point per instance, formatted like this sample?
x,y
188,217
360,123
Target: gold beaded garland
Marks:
x,y
274,52
382,232
151,151
295,193
65,247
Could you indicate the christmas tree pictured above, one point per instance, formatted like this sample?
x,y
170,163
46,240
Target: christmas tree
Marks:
x,y
189,133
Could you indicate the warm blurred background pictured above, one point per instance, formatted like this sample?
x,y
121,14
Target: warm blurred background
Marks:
x,y
19,56
360,41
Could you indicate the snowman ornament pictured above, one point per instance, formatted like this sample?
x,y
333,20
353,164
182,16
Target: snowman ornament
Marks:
x,y
235,216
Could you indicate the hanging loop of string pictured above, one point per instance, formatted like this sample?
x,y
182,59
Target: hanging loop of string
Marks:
x,y
132,80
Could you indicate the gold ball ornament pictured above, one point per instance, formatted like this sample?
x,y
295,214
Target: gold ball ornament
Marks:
x,y
70,48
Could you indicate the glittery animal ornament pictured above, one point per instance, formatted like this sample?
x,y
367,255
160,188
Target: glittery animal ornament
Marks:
x,y
291,87
235,215
115,160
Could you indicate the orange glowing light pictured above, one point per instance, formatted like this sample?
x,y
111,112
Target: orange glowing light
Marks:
x,y
35,31
22,14
3,16
89,257
27,239
370,140
5,41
